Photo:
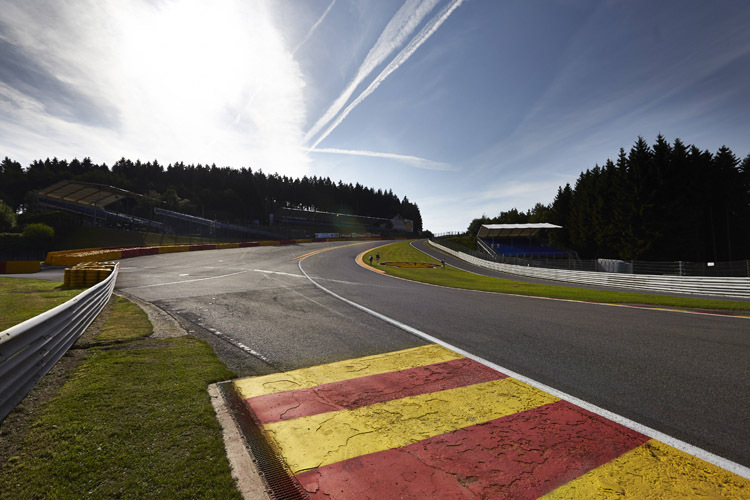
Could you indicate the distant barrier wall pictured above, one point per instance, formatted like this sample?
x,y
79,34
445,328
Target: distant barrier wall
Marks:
x,y
695,285
73,257
19,266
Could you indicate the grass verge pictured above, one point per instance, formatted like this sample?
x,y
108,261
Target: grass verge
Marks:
x,y
126,322
22,299
452,277
134,421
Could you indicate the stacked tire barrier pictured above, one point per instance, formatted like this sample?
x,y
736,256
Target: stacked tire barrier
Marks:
x,y
87,274
30,349
693,285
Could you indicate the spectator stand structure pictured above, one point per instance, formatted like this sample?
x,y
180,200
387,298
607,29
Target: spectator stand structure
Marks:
x,y
89,200
518,241
192,225
342,222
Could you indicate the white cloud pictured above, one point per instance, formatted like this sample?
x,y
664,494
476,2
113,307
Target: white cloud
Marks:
x,y
183,80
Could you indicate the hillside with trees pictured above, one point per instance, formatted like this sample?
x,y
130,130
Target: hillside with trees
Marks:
x,y
661,202
238,196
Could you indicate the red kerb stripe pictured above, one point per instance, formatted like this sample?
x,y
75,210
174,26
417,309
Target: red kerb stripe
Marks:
x,y
522,456
363,391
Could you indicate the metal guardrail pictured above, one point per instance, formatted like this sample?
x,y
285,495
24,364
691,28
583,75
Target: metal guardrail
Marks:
x,y
30,349
693,285
571,262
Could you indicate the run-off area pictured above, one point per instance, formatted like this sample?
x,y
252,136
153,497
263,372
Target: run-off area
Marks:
x,y
429,423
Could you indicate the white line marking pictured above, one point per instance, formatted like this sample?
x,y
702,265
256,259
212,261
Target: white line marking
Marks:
x,y
301,276
724,463
186,281
278,272
239,345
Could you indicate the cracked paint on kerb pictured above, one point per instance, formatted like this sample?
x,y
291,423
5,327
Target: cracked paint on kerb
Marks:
x,y
429,423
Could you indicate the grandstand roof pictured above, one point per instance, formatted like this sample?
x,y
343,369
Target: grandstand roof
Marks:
x,y
513,230
87,193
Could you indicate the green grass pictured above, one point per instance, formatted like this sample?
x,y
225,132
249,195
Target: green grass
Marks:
x,y
126,322
452,277
22,299
134,421
470,242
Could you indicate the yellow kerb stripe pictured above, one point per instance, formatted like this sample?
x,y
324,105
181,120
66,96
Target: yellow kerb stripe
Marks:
x,y
655,470
309,442
343,370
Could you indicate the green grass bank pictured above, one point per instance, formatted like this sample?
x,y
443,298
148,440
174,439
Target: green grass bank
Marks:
x,y
452,277
22,299
133,421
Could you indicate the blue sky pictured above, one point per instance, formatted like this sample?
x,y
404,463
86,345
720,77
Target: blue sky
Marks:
x,y
467,107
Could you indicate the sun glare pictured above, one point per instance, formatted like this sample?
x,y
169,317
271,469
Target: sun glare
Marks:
x,y
199,72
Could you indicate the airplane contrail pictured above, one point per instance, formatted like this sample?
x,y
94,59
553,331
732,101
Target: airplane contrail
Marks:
x,y
415,161
399,28
424,34
314,27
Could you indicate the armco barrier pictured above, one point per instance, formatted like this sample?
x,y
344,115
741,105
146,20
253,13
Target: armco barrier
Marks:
x,y
194,248
73,257
19,266
126,253
694,285
173,248
30,349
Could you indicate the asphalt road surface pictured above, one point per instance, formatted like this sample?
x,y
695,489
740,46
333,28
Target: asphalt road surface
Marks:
x,y
686,375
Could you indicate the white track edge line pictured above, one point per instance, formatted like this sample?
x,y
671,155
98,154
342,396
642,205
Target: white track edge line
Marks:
x,y
690,449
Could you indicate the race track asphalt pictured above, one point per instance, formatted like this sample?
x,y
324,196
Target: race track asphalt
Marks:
x,y
683,374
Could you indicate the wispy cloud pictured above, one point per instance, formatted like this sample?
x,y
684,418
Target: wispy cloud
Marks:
x,y
104,80
397,31
314,27
414,161
424,34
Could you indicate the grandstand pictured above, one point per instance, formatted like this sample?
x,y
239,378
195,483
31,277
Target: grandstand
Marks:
x,y
180,223
518,240
339,222
89,200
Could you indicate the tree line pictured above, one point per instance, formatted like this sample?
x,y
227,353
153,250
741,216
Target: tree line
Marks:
x,y
662,202
239,196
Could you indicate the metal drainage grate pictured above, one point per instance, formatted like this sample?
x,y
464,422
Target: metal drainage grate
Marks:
x,y
281,483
